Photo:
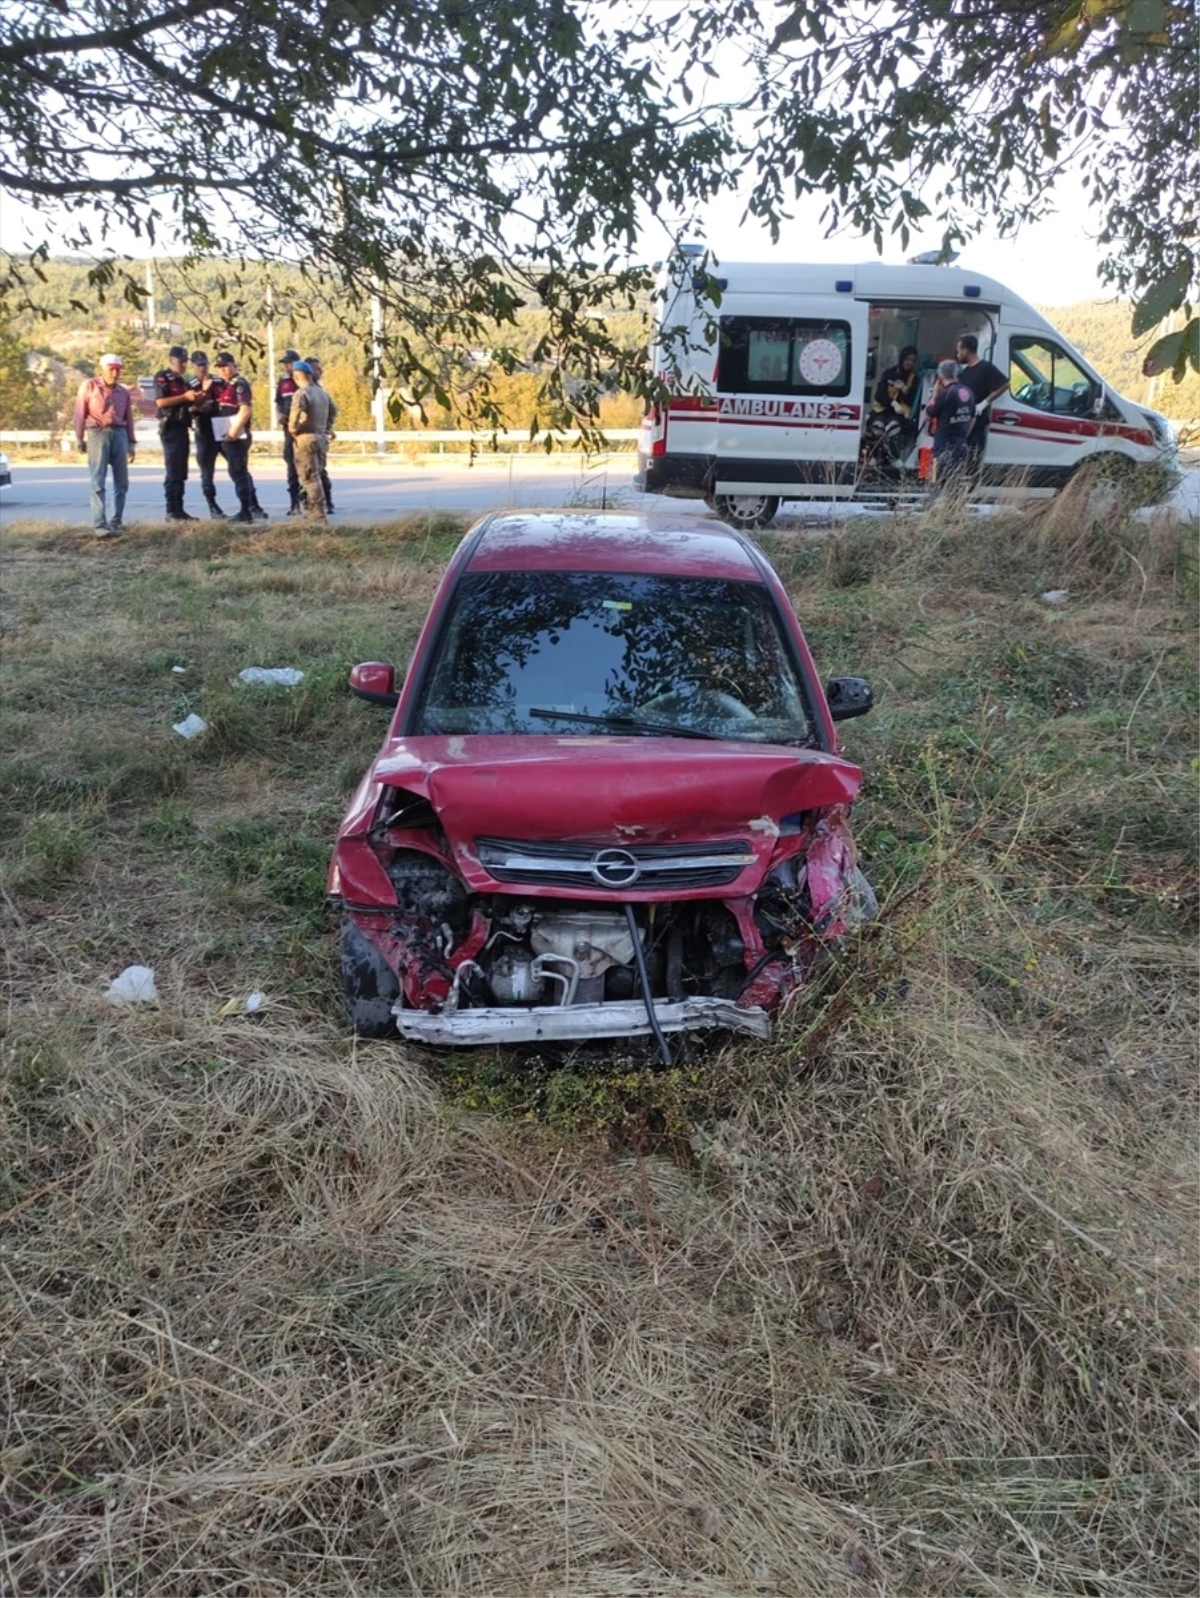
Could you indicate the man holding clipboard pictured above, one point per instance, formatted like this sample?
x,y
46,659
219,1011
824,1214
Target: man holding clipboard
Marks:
x,y
231,431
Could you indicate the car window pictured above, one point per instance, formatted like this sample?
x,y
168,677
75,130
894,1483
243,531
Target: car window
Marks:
x,y
1043,375
697,653
783,355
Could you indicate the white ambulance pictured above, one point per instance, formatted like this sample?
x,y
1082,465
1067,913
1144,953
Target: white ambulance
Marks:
x,y
773,388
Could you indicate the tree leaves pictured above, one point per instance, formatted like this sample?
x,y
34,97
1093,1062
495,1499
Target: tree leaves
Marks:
x,y
1163,297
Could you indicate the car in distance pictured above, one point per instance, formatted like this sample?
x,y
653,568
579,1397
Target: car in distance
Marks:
x,y
610,802
5,471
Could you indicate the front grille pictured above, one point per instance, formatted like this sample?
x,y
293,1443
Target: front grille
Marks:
x,y
614,868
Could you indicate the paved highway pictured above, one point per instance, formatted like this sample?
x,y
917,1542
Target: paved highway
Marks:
x,y
362,490
379,491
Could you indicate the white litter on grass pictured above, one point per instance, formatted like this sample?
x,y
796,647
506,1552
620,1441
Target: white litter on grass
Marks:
x,y
135,985
179,671
282,676
1055,597
244,1004
191,726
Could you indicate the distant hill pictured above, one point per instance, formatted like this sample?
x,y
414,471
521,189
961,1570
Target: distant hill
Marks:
x,y
1099,330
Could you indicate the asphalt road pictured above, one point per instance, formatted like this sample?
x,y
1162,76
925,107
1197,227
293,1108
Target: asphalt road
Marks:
x,y
379,491
362,491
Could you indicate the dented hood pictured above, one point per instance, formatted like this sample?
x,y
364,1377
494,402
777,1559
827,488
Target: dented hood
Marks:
x,y
606,789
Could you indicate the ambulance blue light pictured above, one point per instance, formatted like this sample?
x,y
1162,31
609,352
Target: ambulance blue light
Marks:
x,y
972,291
844,285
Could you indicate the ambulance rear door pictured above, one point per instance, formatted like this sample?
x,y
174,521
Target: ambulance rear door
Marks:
x,y
791,392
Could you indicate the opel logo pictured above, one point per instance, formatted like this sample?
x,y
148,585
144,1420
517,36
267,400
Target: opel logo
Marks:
x,y
614,868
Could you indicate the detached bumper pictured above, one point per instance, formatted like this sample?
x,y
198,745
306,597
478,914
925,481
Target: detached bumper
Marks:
x,y
577,1022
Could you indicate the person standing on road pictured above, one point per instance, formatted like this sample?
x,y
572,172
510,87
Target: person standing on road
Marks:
x,y
314,364
204,408
173,401
284,390
311,418
986,382
104,428
951,412
231,429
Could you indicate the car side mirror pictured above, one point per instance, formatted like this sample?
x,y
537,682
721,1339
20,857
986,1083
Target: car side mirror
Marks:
x,y
1100,403
375,681
848,697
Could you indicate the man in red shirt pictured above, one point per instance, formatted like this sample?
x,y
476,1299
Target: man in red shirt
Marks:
x,y
104,428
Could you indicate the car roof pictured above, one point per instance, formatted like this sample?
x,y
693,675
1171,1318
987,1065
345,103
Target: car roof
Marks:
x,y
676,546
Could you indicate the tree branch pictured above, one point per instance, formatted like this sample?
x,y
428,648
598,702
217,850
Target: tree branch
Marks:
x,y
106,38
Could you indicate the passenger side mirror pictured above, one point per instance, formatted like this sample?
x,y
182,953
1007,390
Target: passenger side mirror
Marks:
x,y
375,681
848,697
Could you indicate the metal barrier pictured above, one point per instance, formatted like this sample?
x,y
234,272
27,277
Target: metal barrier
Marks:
x,y
147,438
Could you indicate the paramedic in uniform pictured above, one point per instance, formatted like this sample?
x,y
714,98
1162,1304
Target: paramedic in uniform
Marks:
x,y
310,420
284,390
232,432
173,402
204,408
951,412
986,382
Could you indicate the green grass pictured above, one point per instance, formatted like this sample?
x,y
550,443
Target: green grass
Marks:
x,y
901,1302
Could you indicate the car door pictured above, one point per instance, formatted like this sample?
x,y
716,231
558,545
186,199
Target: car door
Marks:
x,y
1045,422
790,381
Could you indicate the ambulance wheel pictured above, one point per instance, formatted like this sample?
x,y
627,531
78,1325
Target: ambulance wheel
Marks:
x,y
746,511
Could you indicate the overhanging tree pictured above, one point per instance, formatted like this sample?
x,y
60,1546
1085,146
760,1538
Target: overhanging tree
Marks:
x,y
459,158
454,158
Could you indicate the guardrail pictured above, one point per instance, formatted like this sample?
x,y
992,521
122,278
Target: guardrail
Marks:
x,y
147,438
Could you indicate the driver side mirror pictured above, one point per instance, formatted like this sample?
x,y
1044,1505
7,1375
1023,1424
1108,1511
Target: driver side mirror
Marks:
x,y
848,697
1099,404
375,681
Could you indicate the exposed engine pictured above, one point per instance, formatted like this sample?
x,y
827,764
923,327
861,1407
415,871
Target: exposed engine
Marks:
x,y
552,952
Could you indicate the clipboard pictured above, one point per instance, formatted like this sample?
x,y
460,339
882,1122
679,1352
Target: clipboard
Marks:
x,y
220,427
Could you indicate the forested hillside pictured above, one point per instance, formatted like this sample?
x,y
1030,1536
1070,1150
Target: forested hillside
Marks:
x,y
73,325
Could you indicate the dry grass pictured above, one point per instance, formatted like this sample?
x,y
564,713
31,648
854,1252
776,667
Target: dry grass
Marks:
x,y
899,1306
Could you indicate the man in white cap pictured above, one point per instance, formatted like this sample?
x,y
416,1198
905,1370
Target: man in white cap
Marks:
x,y
104,428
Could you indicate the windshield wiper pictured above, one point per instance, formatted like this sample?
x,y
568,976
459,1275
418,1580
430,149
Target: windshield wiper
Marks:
x,y
615,722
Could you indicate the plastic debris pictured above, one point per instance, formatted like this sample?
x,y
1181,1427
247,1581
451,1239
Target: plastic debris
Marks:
x,y
135,985
191,726
281,676
244,1004
1055,597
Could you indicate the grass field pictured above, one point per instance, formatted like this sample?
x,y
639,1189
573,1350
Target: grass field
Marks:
x,y
901,1305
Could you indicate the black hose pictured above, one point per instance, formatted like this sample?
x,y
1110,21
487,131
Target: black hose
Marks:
x,y
639,955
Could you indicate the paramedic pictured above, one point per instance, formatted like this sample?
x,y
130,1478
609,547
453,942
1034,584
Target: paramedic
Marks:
x,y
951,412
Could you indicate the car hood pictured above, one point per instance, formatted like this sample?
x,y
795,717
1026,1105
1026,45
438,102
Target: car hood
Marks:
x,y
604,790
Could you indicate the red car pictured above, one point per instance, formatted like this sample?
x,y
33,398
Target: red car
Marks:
x,y
610,802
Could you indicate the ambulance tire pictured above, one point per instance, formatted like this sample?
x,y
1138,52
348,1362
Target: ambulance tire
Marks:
x,y
745,511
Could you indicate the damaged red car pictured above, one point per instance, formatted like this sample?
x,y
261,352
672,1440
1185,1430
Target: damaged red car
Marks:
x,y
610,803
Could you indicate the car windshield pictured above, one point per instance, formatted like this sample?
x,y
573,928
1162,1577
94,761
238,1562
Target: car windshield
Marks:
x,y
563,653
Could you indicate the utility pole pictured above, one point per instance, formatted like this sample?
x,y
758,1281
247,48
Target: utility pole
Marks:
x,y
271,351
377,402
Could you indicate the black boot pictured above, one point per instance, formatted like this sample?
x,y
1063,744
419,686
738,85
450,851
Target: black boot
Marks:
x,y
215,511
295,508
258,513
241,516
180,516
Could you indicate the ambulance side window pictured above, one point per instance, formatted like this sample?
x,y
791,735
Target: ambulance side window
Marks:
x,y
1043,375
783,355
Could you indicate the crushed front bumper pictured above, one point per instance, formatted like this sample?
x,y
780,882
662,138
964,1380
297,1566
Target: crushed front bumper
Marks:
x,y
576,1023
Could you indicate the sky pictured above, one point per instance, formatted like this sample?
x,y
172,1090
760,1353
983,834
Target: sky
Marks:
x,y
1049,262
